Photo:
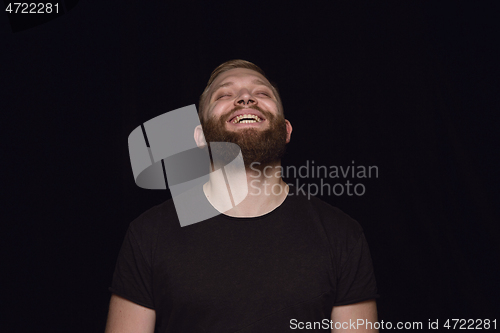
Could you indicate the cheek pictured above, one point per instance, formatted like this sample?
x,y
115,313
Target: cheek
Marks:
x,y
216,110
213,110
271,105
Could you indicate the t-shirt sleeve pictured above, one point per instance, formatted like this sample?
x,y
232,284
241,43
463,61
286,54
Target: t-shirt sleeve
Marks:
x,y
356,279
132,275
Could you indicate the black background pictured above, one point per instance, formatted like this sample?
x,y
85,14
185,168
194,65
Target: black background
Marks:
x,y
411,87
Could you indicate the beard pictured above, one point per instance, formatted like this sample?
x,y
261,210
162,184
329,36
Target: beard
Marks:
x,y
257,146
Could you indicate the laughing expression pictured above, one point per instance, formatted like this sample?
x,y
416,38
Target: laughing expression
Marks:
x,y
237,95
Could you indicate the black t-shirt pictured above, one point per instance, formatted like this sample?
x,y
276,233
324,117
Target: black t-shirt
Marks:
x,y
260,274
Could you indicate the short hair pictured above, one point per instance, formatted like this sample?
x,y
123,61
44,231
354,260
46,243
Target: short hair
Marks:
x,y
232,64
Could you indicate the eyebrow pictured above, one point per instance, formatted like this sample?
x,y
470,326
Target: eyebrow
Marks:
x,y
255,81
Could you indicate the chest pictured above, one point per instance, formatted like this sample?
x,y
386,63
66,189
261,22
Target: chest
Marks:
x,y
241,270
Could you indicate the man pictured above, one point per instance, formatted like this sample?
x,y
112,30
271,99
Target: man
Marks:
x,y
270,263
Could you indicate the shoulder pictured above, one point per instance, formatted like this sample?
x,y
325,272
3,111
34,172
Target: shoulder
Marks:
x,y
340,228
334,217
342,234
331,216
149,223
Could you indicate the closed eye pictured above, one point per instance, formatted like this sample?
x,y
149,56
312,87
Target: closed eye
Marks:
x,y
221,96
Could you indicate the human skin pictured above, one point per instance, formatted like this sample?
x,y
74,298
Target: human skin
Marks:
x,y
241,87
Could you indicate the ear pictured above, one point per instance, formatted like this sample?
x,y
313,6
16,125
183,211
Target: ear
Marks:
x,y
199,137
288,130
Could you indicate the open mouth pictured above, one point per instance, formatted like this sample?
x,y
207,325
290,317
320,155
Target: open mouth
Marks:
x,y
246,119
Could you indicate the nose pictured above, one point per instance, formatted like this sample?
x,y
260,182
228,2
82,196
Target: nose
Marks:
x,y
245,98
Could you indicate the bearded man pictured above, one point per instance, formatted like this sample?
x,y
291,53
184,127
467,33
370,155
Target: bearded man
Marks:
x,y
273,262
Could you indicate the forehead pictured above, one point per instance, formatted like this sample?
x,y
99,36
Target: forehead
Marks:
x,y
239,75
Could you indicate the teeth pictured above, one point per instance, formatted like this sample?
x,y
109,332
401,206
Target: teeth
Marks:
x,y
255,119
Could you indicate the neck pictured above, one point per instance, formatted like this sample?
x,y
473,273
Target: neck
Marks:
x,y
255,191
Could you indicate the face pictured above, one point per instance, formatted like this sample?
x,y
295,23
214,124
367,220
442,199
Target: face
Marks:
x,y
242,108
240,87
